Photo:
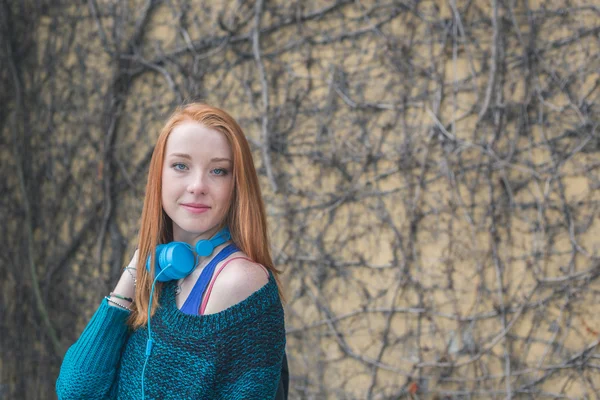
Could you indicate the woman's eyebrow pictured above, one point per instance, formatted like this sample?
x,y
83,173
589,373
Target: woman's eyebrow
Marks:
x,y
217,159
181,155
188,157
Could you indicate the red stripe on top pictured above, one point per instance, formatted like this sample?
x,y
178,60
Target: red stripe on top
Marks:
x,y
214,278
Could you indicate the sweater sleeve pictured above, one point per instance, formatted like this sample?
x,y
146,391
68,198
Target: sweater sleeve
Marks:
x,y
91,363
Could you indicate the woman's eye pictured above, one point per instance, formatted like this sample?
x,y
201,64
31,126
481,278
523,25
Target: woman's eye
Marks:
x,y
219,171
179,166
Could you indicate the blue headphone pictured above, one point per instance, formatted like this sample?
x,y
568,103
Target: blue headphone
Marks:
x,y
176,260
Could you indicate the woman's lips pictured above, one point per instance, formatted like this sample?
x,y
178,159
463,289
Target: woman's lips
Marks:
x,y
195,209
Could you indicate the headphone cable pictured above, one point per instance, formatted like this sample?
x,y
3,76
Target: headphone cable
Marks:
x,y
150,342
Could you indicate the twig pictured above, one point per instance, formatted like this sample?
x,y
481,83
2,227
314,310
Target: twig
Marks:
x,y
266,140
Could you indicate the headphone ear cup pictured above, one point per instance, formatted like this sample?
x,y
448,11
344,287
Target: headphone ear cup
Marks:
x,y
179,258
164,263
205,247
157,267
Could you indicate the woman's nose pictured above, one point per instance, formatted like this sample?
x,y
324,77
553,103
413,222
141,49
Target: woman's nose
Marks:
x,y
197,184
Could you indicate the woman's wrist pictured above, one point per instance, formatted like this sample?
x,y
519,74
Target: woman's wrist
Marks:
x,y
125,288
112,302
123,294
115,298
121,297
132,271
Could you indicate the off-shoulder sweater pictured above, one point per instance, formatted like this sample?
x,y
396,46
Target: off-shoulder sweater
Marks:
x,y
234,354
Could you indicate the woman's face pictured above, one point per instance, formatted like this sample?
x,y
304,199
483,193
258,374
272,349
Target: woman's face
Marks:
x,y
197,181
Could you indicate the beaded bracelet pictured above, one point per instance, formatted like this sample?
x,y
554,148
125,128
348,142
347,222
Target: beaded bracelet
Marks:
x,y
118,296
115,303
132,275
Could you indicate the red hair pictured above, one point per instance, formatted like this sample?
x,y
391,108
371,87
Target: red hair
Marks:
x,y
246,217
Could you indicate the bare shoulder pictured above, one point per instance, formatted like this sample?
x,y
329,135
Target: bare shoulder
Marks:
x,y
236,282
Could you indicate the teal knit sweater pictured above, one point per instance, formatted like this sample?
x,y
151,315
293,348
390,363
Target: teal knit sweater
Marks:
x,y
234,354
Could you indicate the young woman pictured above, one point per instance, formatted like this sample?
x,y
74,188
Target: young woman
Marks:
x,y
197,312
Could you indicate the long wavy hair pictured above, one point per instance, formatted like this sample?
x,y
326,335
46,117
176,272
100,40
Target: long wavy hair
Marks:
x,y
246,217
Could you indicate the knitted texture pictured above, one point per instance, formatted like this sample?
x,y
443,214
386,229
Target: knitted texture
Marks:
x,y
234,354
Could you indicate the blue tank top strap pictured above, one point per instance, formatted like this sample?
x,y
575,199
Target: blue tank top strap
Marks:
x,y
192,303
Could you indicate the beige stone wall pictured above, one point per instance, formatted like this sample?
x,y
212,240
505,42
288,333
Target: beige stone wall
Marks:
x,y
430,171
